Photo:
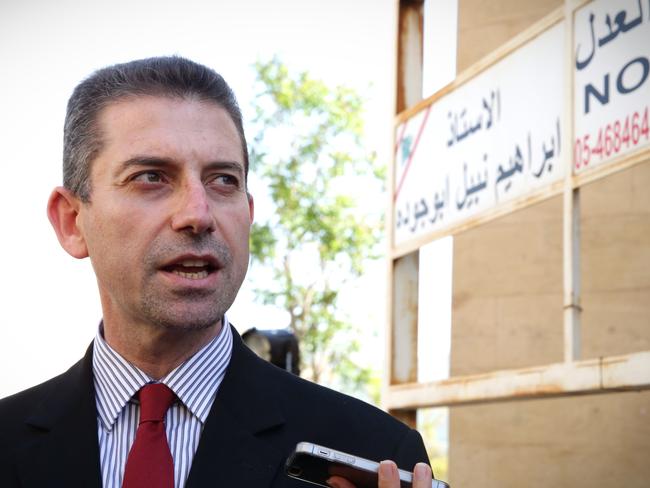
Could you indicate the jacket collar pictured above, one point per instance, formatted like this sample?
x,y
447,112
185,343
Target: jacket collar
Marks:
x,y
232,450
64,445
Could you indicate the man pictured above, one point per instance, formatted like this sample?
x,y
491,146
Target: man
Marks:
x,y
155,166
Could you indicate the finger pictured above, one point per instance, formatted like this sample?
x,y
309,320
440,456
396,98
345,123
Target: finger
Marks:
x,y
338,482
388,476
422,476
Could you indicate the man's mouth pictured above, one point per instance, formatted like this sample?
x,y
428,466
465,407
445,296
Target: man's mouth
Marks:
x,y
193,269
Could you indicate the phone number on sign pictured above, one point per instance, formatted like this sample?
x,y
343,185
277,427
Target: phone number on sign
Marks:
x,y
612,139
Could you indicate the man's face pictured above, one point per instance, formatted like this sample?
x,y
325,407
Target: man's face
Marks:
x,y
168,221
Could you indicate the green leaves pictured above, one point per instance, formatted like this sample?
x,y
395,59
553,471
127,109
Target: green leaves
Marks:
x,y
262,242
308,148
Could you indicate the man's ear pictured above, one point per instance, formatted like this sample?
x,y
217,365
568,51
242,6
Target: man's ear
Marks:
x,y
63,210
251,206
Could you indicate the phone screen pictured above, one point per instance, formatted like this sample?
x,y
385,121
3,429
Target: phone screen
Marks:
x,y
318,470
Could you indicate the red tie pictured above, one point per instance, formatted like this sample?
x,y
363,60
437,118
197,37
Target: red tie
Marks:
x,y
150,462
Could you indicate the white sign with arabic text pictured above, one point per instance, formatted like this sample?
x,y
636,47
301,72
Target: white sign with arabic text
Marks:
x,y
611,80
495,138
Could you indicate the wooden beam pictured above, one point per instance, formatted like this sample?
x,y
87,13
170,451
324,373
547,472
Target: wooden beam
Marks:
x,y
602,375
571,206
409,53
403,273
571,272
404,337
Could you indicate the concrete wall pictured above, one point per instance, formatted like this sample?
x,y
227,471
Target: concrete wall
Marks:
x,y
483,25
616,263
507,313
507,292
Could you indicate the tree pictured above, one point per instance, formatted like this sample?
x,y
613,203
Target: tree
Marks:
x,y
308,149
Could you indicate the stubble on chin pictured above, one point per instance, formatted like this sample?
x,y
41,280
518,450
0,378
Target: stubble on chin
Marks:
x,y
187,309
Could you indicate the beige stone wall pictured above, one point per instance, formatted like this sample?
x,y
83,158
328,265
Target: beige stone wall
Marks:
x,y
507,292
579,442
483,25
616,263
507,313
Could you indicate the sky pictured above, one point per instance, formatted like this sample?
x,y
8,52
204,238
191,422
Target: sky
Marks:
x,y
49,307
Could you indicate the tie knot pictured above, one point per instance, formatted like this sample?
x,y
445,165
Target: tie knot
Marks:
x,y
155,399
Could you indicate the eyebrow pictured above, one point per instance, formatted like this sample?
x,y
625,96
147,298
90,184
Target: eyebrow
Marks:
x,y
161,162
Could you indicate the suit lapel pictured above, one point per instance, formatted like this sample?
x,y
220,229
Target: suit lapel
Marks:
x,y
63,450
232,450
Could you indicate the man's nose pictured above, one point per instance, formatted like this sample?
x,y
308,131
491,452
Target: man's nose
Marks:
x,y
193,212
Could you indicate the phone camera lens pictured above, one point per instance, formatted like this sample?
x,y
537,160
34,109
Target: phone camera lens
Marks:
x,y
295,471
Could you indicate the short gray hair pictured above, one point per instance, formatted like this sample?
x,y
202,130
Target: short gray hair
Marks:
x,y
169,76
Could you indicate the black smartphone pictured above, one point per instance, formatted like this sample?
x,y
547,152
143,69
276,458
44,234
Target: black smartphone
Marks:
x,y
316,464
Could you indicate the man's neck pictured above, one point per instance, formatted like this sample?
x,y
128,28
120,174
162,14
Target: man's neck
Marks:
x,y
155,350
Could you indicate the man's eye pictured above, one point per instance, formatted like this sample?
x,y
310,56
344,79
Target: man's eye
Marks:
x,y
227,180
149,177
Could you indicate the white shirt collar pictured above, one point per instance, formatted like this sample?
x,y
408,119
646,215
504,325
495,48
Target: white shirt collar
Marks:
x,y
195,382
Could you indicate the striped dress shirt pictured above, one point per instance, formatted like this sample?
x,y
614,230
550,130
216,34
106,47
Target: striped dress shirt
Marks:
x,y
195,383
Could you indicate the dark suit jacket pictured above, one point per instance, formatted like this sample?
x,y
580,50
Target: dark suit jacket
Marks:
x,y
48,434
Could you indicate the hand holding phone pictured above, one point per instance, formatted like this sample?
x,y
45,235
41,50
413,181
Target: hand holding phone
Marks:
x,y
319,465
389,477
